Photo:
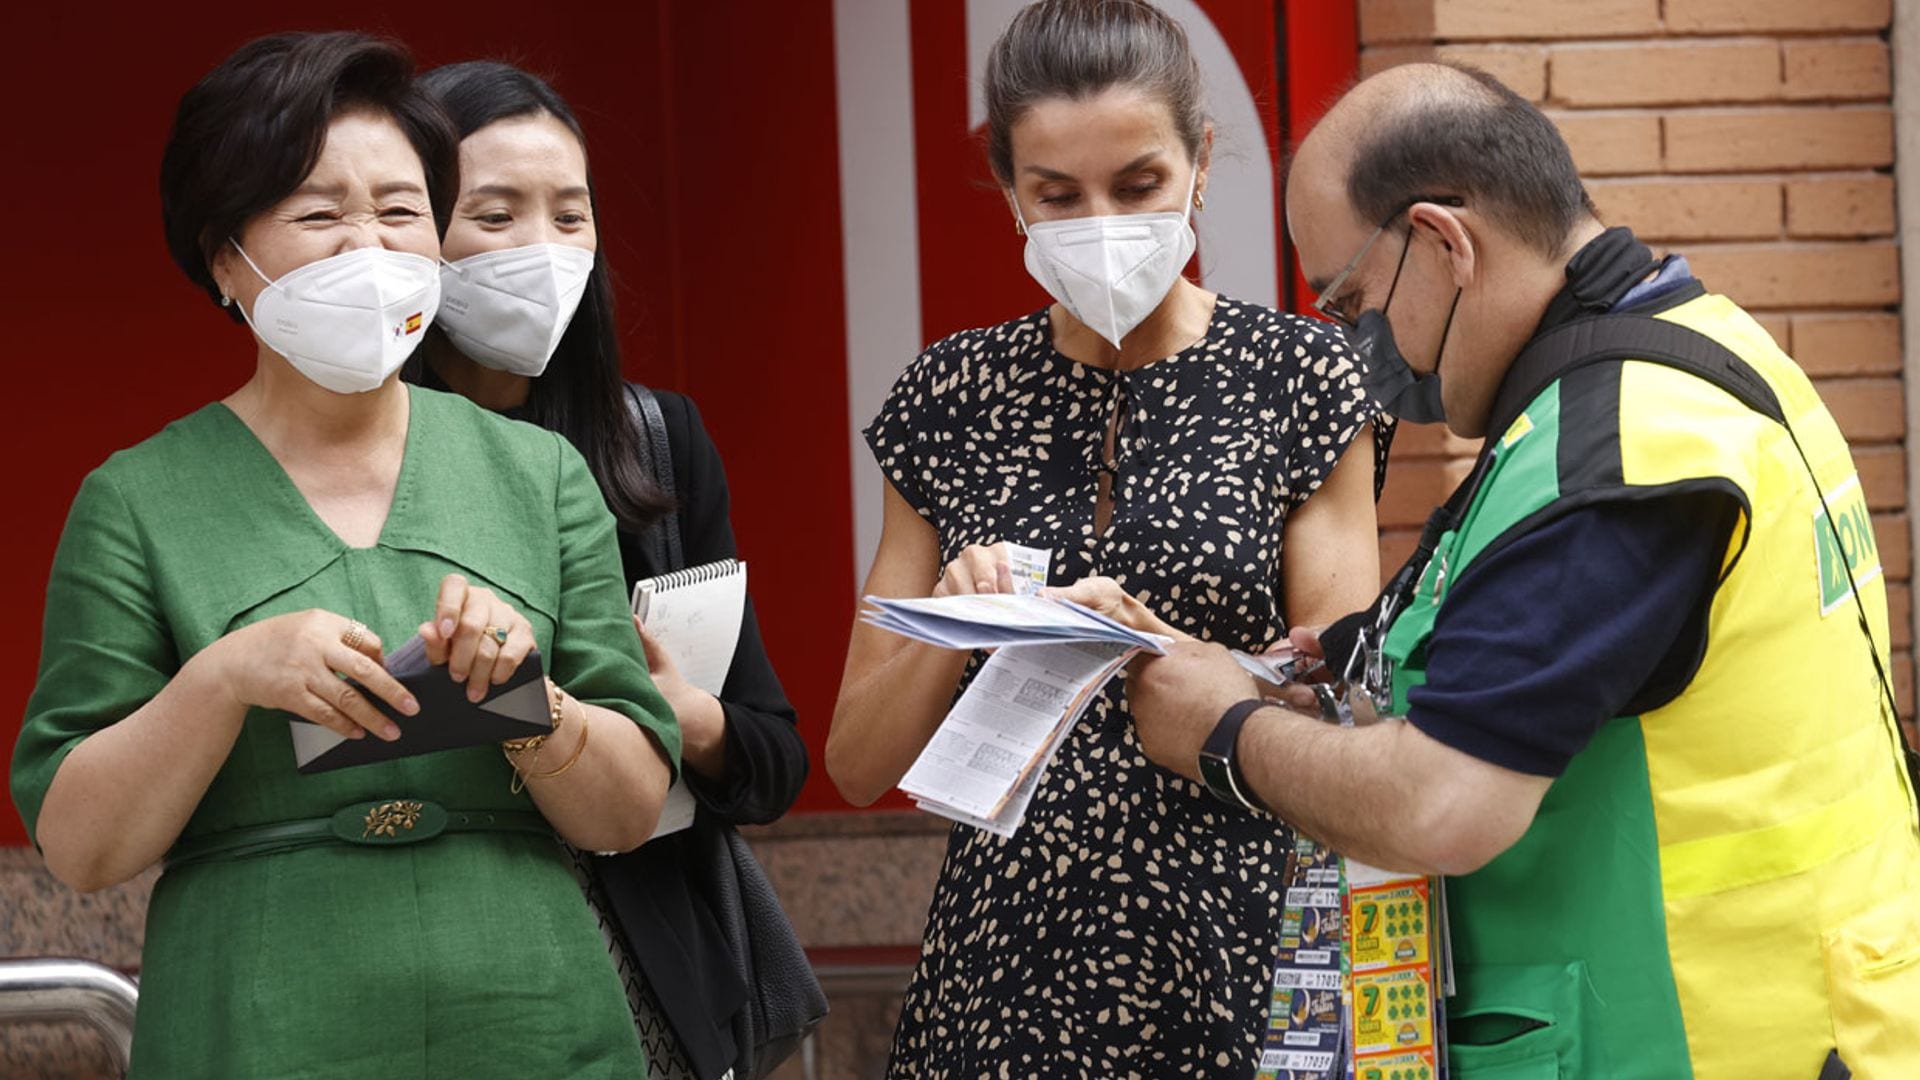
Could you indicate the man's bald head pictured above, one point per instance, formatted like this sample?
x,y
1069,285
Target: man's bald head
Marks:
x,y
1426,130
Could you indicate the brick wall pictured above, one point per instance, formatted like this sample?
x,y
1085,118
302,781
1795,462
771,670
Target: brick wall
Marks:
x,y
1757,137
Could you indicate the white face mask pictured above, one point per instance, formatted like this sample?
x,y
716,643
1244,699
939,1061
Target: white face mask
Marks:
x,y
1110,272
350,320
507,309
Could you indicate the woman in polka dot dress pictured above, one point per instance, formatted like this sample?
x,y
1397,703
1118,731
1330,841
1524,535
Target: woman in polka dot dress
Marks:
x,y
1211,466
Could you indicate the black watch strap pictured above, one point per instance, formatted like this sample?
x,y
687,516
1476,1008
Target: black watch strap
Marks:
x,y
1219,768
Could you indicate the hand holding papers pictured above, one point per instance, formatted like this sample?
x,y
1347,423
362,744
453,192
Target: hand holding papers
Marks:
x,y
1052,656
997,620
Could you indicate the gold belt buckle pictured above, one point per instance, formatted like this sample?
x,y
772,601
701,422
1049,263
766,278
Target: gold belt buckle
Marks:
x,y
388,822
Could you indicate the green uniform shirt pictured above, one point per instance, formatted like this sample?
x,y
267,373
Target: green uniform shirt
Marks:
x,y
472,954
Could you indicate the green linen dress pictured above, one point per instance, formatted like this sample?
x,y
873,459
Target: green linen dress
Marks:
x,y
469,955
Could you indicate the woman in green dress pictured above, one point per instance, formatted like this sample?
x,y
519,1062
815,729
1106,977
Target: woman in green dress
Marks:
x,y
233,572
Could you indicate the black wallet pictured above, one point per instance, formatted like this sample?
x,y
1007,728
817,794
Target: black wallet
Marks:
x,y
515,709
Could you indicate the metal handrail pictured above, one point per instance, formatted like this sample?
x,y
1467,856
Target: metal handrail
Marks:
x,y
56,988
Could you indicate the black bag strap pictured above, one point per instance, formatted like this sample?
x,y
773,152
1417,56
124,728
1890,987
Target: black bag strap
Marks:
x,y
1608,338
1602,339
664,537
782,1000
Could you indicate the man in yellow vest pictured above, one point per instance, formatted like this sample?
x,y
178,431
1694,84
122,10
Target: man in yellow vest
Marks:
x,y
1638,669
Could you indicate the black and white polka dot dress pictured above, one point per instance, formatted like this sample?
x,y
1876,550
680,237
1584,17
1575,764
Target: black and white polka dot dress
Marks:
x,y
1129,927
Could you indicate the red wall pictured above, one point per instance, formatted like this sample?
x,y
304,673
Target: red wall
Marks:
x,y
752,314
713,142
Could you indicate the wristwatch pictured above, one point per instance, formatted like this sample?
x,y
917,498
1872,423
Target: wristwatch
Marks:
x,y
1218,768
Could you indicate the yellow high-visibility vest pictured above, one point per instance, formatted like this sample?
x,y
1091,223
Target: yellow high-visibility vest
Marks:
x,y
1727,885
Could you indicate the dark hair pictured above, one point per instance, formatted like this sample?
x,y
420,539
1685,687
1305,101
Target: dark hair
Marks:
x,y
1078,48
582,395
1478,140
252,129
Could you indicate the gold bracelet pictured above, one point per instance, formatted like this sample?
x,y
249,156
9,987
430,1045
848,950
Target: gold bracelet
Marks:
x,y
578,749
534,742
510,747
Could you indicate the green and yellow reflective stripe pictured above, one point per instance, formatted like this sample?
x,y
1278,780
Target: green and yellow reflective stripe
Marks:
x,y
1718,863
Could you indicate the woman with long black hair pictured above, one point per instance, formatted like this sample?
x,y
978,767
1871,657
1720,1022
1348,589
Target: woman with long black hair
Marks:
x,y
528,330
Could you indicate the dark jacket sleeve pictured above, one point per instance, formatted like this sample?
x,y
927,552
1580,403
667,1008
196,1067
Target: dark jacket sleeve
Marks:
x,y
766,759
1599,613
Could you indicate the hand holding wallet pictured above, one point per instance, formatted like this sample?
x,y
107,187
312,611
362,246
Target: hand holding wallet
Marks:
x,y
515,709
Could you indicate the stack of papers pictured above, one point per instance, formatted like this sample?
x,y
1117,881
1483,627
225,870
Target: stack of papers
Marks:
x,y
997,620
1051,658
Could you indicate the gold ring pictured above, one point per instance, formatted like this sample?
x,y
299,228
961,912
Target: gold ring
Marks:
x,y
355,635
498,634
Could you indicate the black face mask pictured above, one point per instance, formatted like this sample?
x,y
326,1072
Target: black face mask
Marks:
x,y
1389,380
1386,376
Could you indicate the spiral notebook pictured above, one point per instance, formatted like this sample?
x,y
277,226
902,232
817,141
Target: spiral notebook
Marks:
x,y
695,614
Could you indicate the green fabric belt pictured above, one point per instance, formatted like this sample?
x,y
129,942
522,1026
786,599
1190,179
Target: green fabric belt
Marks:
x,y
381,823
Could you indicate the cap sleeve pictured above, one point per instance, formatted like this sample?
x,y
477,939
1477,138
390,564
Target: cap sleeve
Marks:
x,y
1329,410
105,647
899,434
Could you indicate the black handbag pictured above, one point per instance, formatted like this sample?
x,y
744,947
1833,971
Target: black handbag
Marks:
x,y
784,1001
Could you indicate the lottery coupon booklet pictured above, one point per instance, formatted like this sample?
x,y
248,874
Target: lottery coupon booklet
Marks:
x,y
1050,658
1362,974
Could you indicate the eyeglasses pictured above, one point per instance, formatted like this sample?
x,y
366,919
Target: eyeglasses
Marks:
x,y
1323,304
